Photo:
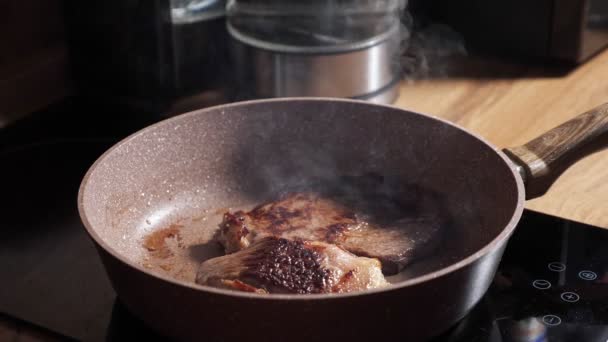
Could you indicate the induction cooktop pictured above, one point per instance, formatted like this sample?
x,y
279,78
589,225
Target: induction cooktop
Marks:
x,y
552,284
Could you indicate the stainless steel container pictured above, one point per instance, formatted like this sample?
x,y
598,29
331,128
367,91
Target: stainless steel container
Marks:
x,y
364,70
311,49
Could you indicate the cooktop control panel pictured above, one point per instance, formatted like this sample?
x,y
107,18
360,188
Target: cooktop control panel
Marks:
x,y
552,285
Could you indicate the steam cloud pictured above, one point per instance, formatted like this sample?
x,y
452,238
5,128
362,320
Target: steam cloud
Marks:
x,y
426,48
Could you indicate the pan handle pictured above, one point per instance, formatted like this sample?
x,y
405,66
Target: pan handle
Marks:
x,y
543,154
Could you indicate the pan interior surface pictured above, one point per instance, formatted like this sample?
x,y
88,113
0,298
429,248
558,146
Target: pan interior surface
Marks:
x,y
156,198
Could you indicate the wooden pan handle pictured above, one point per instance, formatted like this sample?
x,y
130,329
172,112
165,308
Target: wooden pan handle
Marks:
x,y
540,156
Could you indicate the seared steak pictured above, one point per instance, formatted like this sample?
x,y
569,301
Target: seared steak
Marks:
x,y
277,265
374,227
303,216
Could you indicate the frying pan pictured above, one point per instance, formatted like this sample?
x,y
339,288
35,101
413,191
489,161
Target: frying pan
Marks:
x,y
179,172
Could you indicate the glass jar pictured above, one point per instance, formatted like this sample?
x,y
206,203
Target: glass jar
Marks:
x,y
188,11
314,23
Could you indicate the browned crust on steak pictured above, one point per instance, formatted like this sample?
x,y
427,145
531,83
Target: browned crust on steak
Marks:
x,y
287,266
371,216
293,217
279,219
278,265
334,231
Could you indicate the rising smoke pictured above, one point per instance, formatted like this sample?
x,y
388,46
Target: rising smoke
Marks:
x,y
427,47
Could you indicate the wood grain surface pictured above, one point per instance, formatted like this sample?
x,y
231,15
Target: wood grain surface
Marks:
x,y
544,154
511,104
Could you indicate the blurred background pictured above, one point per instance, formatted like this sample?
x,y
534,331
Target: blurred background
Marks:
x,y
76,77
171,56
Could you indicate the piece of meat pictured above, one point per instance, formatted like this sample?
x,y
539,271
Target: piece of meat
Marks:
x,y
379,230
303,216
277,265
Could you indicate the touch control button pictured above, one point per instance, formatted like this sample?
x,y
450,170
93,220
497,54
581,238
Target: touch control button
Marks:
x,y
541,284
587,275
557,266
552,320
570,297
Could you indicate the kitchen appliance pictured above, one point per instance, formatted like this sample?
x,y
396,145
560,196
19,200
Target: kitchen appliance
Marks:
x,y
563,30
78,302
158,54
244,153
317,48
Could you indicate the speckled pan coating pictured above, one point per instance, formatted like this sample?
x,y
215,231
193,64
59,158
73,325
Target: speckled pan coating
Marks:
x,y
242,153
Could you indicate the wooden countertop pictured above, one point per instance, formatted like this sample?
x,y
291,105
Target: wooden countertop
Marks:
x,y
511,104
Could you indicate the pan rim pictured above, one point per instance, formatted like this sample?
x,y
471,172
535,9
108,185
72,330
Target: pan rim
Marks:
x,y
491,246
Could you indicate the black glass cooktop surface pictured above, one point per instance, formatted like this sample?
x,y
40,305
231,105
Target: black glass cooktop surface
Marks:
x,y
552,284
